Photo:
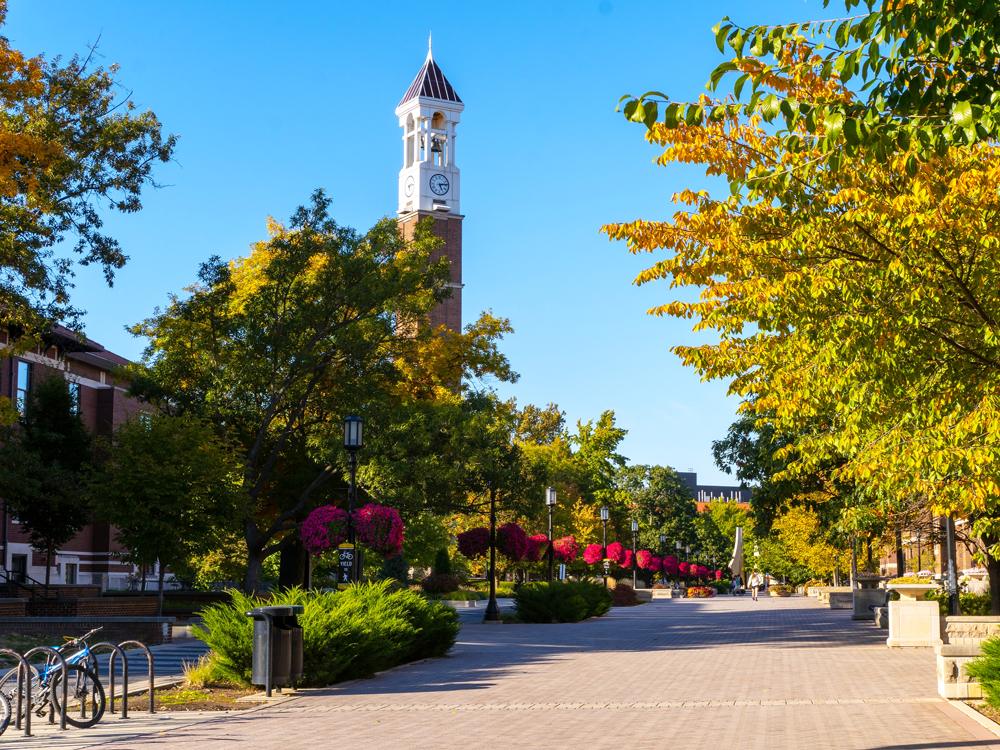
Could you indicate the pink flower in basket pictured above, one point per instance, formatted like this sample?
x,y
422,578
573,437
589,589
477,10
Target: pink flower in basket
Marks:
x,y
593,554
512,542
644,559
566,549
538,546
474,542
616,553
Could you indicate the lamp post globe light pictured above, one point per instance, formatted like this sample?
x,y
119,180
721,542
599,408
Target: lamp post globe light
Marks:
x,y
353,442
550,501
635,530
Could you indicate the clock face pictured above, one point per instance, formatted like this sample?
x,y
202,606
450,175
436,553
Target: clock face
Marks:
x,y
408,188
439,184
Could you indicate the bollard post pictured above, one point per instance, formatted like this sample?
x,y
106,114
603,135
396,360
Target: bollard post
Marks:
x,y
23,675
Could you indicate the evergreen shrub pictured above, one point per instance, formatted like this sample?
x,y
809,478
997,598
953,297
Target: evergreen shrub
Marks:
x,y
986,670
349,634
442,562
568,601
396,568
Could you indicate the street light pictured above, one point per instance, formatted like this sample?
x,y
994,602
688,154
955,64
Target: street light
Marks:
x,y
687,552
353,442
550,501
635,530
605,516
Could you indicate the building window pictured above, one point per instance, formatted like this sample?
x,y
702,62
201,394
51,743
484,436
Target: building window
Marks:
x,y
74,392
22,386
70,573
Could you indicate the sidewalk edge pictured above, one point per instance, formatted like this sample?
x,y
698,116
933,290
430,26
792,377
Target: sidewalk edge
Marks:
x,y
976,716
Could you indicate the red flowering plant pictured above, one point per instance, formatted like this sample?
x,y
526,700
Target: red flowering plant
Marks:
x,y
655,564
628,560
440,583
684,568
474,542
670,567
566,549
512,542
718,575
380,529
593,554
701,571
644,559
538,547
616,553
323,529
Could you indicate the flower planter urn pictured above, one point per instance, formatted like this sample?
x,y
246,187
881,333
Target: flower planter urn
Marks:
x,y
912,592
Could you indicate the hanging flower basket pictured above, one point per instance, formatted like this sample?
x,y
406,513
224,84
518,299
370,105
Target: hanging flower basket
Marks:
x,y
323,529
538,547
616,553
566,550
512,542
474,542
380,529
593,554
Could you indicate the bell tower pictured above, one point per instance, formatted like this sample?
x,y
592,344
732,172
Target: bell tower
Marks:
x,y
429,181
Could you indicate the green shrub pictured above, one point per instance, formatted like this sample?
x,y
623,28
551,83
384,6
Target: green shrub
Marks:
x,y
442,562
986,669
396,568
504,588
569,601
975,605
354,633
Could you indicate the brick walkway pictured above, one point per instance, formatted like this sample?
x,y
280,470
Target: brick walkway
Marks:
x,y
722,673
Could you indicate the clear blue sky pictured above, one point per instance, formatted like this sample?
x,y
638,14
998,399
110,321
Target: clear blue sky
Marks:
x,y
273,100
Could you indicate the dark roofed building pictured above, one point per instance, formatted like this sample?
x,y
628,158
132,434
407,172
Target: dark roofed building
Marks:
x,y
706,493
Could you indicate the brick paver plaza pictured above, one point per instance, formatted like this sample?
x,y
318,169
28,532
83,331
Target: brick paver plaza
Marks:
x,y
677,675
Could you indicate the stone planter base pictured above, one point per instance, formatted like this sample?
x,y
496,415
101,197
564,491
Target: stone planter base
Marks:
x,y
772,592
865,598
667,593
914,624
458,604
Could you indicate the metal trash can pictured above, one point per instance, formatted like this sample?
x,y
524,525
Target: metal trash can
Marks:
x,y
277,646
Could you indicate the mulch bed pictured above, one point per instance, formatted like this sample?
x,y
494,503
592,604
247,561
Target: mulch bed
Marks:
x,y
180,698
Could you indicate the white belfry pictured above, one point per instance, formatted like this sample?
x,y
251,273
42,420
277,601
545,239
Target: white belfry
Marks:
x,y
428,114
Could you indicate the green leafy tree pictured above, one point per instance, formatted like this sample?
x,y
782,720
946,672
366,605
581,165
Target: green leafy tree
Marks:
x,y
170,488
276,348
925,75
74,148
44,462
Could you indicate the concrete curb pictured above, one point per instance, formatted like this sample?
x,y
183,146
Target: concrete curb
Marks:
x,y
976,716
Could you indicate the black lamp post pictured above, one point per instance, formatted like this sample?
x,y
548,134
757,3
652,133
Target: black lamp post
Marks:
x,y
353,442
605,516
550,501
687,553
635,530
492,608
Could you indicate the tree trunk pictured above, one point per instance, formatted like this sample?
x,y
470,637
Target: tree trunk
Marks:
x,y
900,555
255,563
993,566
292,566
142,584
159,594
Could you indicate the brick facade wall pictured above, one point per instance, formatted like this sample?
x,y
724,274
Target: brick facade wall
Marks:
x,y
149,630
106,606
13,607
448,228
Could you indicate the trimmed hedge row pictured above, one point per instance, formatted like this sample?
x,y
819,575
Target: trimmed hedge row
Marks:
x,y
561,601
349,634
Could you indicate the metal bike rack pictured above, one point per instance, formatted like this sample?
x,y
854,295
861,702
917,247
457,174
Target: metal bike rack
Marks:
x,y
149,661
22,670
65,689
115,651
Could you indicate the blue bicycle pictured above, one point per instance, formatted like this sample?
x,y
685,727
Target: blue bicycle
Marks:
x,y
83,685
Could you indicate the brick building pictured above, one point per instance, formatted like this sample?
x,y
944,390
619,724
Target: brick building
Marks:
x,y
103,403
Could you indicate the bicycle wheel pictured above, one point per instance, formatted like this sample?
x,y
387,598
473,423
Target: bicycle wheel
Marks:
x,y
5,713
8,688
85,689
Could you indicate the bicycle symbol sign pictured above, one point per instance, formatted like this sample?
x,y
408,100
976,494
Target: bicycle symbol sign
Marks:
x,y
345,559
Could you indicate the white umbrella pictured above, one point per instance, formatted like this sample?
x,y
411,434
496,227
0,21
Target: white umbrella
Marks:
x,y
736,564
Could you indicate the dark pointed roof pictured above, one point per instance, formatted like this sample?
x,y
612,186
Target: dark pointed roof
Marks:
x,y
430,82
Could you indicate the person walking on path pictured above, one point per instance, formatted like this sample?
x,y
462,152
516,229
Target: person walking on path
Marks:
x,y
756,579
737,583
